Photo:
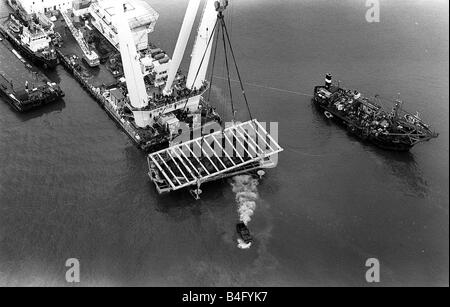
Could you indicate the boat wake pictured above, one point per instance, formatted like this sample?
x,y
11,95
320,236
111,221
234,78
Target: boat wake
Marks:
x,y
246,189
242,244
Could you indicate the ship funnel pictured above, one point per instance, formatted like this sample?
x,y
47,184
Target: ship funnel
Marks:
x,y
328,80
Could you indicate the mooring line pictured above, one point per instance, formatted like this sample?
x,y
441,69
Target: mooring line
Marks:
x,y
268,87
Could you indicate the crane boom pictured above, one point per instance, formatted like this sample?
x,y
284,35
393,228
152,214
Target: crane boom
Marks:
x,y
201,52
183,39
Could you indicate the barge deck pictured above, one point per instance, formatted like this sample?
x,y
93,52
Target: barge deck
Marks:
x,y
23,86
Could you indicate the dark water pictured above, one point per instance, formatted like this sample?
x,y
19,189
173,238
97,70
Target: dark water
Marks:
x,y
73,185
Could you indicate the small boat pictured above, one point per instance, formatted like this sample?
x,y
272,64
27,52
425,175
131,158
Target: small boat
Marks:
x,y
244,233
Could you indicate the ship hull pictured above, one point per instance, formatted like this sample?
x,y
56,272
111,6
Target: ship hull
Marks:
x,y
14,104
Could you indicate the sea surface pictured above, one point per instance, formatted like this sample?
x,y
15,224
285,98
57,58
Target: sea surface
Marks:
x,y
73,185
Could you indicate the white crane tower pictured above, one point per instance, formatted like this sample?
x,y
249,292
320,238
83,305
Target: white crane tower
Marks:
x,y
183,39
201,52
200,57
132,70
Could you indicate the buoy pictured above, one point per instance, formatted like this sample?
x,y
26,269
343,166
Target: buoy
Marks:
x,y
196,193
328,114
261,173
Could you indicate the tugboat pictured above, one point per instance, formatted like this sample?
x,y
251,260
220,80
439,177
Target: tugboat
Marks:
x,y
244,233
397,130
31,40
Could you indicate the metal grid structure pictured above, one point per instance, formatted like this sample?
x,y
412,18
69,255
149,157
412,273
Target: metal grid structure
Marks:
x,y
212,156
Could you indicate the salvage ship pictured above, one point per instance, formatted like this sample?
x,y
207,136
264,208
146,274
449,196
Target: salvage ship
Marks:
x,y
396,130
34,39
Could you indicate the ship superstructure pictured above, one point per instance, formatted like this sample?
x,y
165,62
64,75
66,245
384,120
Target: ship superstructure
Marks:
x,y
139,15
35,38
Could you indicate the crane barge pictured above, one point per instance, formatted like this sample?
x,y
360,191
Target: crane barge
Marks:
x,y
164,112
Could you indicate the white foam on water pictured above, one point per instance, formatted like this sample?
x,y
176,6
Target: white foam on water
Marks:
x,y
243,245
246,189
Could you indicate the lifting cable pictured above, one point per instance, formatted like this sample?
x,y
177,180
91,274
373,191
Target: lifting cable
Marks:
x,y
203,58
225,39
228,67
237,69
213,65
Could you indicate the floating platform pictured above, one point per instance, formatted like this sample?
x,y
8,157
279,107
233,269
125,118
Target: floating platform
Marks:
x,y
240,148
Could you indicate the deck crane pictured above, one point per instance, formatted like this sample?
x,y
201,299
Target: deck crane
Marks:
x,y
131,67
240,148
201,52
